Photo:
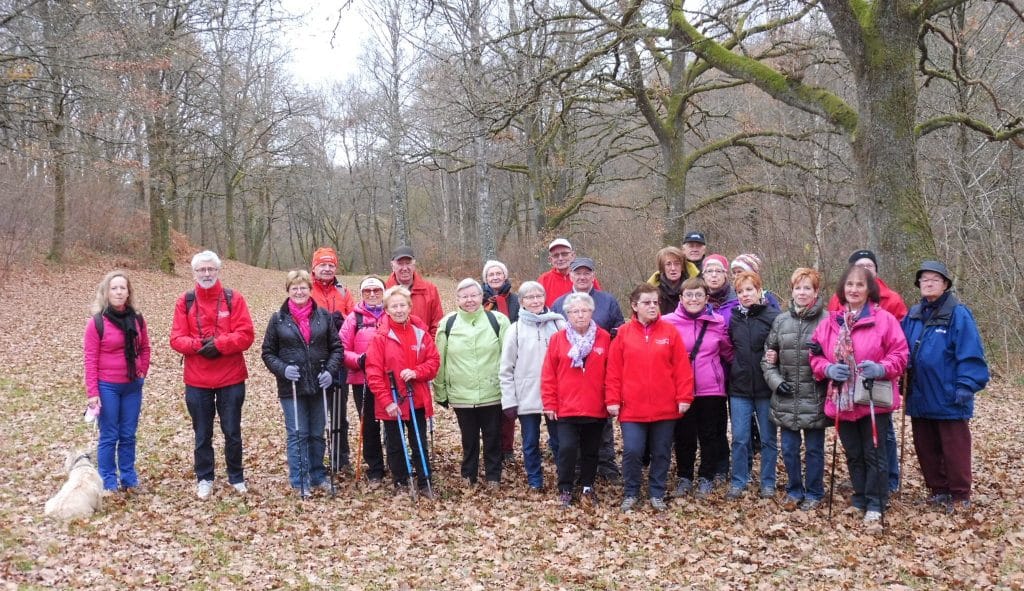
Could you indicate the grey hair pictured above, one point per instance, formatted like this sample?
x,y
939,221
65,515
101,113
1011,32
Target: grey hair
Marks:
x,y
468,282
206,255
530,286
578,297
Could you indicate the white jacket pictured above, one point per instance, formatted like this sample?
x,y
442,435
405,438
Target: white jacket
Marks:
x,y
526,344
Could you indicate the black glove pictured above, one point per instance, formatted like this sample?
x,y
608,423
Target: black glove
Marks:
x,y
362,362
209,350
785,389
511,412
337,319
815,348
443,403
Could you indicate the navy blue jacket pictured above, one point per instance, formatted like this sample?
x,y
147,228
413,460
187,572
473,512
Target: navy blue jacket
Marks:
x,y
946,353
607,313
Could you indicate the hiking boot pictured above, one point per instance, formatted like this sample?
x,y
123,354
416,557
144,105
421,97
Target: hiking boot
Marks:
x,y
684,487
627,504
790,503
658,504
427,493
959,505
508,459
493,485
240,488
305,493
810,504
588,497
937,500
767,492
565,498
375,483
326,487
872,516
704,488
735,493
204,488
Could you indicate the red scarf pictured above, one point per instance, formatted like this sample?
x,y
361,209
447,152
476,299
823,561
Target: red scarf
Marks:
x,y
301,316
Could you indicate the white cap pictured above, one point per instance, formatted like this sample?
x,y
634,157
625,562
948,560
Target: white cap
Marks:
x,y
371,282
559,242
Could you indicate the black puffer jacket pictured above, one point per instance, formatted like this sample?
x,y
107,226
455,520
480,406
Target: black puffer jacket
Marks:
x,y
789,336
748,332
283,345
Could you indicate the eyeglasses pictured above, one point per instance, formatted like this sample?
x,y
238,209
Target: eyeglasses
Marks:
x,y
693,295
298,288
533,296
206,270
469,297
647,303
714,271
373,290
561,254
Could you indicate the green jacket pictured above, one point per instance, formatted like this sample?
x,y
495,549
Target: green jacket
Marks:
x,y
470,359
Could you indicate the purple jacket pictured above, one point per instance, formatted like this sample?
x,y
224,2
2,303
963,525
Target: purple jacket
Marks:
x,y
708,370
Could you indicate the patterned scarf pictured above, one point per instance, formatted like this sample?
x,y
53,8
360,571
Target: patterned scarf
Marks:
x,y
580,344
843,393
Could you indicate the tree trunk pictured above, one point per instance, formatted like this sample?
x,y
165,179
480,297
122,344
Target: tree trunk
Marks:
x,y
59,205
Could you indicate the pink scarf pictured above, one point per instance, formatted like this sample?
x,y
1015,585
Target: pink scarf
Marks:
x,y
301,316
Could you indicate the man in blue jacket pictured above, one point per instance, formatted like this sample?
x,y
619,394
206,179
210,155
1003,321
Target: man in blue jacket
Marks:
x,y
947,366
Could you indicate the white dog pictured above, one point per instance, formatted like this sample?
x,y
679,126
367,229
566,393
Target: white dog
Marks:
x,y
82,494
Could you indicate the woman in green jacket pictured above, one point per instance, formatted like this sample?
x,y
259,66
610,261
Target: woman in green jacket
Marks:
x,y
470,341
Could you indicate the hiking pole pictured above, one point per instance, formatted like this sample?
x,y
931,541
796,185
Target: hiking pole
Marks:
x,y
832,478
303,474
869,383
419,442
905,386
362,423
401,433
330,437
430,424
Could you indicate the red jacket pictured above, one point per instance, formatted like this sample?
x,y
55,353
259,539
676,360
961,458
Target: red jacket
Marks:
x,y
888,300
570,391
232,332
426,302
387,354
557,285
649,372
333,297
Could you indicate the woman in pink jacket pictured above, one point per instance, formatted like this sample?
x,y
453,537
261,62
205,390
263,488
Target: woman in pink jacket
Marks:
x,y
356,334
116,355
706,337
860,342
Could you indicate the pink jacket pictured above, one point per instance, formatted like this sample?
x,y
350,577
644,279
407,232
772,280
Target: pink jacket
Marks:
x,y
708,368
104,359
355,343
876,337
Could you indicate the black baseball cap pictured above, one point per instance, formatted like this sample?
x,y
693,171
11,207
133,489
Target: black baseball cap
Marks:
x,y
694,237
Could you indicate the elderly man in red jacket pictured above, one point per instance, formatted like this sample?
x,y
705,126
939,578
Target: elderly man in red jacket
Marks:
x,y
212,330
426,301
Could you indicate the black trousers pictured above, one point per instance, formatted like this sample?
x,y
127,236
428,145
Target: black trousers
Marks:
x,y
706,423
582,437
399,447
476,424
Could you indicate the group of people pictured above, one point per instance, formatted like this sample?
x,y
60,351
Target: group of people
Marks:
x,y
706,351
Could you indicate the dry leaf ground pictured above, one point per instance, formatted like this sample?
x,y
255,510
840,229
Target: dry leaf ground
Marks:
x,y
164,537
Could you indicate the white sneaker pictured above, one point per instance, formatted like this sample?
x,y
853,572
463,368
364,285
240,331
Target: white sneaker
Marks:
x,y
872,516
204,488
240,488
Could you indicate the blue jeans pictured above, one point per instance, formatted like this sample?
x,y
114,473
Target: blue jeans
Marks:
x,y
121,405
660,435
529,425
306,445
743,409
203,405
813,486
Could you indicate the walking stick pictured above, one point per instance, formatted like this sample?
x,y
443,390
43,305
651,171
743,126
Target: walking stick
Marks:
x,y
401,434
303,472
832,478
905,387
359,444
330,442
869,383
419,442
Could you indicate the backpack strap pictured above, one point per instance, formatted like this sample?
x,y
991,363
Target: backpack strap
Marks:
x,y
359,321
190,298
494,323
448,327
97,321
696,344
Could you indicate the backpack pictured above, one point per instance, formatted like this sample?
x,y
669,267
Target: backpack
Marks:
x,y
190,298
490,317
97,321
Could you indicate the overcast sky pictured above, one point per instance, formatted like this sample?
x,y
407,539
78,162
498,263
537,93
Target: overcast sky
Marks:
x,y
315,58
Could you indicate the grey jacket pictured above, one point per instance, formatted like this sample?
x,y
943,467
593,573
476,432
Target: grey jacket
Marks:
x,y
522,356
789,335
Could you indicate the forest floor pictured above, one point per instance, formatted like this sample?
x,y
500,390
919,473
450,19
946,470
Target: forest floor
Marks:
x,y
163,537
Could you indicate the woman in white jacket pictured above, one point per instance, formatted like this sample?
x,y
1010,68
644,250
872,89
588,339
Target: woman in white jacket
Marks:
x,y
522,357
